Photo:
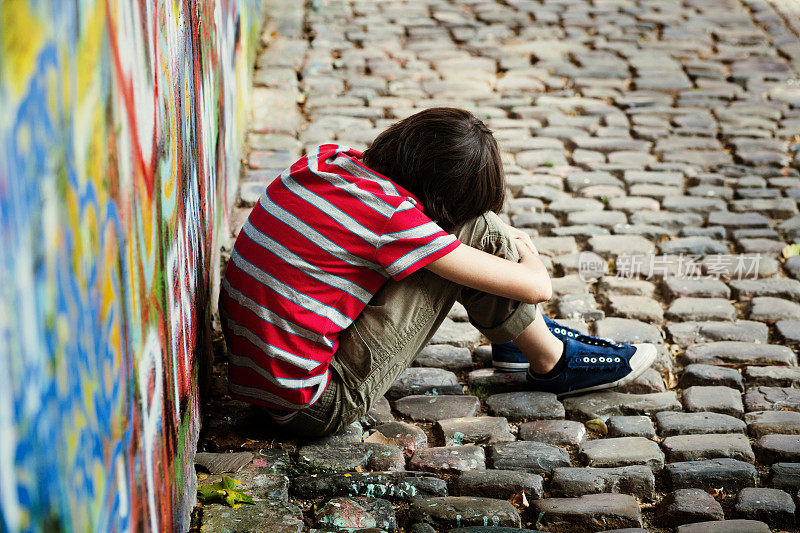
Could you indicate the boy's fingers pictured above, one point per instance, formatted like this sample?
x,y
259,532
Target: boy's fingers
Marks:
x,y
524,237
525,246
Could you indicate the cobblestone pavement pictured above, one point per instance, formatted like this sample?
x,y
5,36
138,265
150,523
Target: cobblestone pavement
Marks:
x,y
652,141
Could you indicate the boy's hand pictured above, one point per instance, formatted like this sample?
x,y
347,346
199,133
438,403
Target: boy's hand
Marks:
x,y
522,241
526,280
525,247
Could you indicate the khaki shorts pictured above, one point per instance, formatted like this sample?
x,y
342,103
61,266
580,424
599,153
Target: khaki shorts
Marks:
x,y
399,321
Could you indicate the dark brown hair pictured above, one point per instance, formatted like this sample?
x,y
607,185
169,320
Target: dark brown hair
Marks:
x,y
447,158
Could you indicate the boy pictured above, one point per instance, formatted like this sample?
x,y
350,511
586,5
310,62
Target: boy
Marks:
x,y
349,263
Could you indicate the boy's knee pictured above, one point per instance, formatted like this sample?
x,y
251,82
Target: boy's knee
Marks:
x,y
488,233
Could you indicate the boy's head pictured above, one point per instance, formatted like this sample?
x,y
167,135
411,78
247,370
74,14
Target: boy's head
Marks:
x,y
447,158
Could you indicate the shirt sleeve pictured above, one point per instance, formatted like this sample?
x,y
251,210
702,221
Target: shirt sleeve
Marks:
x,y
411,241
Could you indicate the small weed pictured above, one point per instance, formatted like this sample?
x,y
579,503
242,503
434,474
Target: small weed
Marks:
x,y
479,392
548,164
224,491
296,469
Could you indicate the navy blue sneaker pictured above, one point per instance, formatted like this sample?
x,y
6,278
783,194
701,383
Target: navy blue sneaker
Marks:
x,y
563,332
591,366
508,358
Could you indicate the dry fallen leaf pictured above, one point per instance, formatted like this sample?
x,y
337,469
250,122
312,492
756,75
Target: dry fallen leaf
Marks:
x,y
670,379
380,438
597,426
790,250
718,494
519,500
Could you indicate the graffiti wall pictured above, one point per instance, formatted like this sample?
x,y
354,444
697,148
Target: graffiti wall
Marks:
x,y
120,131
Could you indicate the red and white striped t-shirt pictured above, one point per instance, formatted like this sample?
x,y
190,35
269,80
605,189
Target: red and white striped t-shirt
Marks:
x,y
320,242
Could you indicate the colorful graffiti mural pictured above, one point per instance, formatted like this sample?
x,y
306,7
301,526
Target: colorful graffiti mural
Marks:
x,y
120,131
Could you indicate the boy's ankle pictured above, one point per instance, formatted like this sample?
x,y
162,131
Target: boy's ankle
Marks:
x,y
542,366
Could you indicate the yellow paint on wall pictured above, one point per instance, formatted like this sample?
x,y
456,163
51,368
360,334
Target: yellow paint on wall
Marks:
x,y
21,37
72,212
90,48
89,232
96,158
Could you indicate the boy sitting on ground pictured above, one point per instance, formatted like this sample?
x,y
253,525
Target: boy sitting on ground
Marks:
x,y
349,263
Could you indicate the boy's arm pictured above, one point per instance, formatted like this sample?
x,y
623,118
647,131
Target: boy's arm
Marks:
x,y
526,281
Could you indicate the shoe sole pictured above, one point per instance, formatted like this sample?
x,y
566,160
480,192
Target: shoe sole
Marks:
x,y
640,361
510,367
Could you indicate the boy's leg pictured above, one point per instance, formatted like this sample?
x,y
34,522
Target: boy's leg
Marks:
x,y
399,321
541,348
382,342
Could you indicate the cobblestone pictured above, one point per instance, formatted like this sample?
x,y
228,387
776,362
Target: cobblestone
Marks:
x,y
788,331
724,352
713,399
696,447
501,484
675,423
686,308
685,506
778,448
766,422
686,333
535,457
698,288
400,486
605,404
455,511
350,434
712,473
449,459
428,408
286,517
445,356
773,376
334,458
357,513
772,506
769,309
407,437
421,380
525,404
636,480
558,432
480,430
590,512
725,526
772,398
636,307
710,375
492,382
785,476
622,451
627,330
630,426
385,457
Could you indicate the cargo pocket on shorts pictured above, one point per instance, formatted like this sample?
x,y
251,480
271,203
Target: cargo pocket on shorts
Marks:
x,y
355,358
376,342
